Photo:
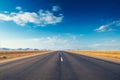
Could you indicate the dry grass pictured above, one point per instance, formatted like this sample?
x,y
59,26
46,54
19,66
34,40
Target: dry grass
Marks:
x,y
4,55
103,54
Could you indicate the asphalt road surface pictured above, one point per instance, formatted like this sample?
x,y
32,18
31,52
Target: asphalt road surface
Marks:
x,y
60,65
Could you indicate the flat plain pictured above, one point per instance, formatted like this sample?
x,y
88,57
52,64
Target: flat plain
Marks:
x,y
112,55
15,54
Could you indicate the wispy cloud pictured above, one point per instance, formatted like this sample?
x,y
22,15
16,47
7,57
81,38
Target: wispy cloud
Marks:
x,y
104,28
110,45
109,27
53,42
6,12
41,18
18,8
60,42
56,8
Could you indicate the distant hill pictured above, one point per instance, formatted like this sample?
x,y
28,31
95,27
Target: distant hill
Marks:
x,y
5,49
18,49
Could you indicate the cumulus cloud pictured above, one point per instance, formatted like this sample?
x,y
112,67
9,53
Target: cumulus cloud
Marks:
x,y
40,18
109,27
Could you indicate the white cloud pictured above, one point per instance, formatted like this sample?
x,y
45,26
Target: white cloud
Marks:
x,y
109,27
18,8
24,18
6,12
60,42
109,44
4,17
42,18
46,17
113,41
56,8
102,28
54,42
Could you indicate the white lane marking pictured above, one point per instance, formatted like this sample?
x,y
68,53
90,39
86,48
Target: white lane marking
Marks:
x,y
61,59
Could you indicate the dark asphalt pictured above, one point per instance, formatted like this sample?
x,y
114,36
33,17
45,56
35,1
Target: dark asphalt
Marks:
x,y
60,65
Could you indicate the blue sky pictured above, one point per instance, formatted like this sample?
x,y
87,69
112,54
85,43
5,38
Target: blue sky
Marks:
x,y
60,24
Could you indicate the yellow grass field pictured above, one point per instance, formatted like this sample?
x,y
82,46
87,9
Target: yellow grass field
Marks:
x,y
6,55
111,55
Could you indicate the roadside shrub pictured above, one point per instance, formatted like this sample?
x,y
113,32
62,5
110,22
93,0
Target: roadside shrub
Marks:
x,y
4,57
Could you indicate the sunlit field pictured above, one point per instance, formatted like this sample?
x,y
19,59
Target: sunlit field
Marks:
x,y
5,55
104,54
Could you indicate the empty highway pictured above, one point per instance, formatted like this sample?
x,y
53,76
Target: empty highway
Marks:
x,y
59,65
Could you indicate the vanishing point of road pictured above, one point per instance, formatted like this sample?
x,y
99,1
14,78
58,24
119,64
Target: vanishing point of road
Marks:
x,y
60,65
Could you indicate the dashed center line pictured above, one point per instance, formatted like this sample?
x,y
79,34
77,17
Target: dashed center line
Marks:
x,y
61,59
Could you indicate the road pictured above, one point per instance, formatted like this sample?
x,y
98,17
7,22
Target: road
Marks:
x,y
60,65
